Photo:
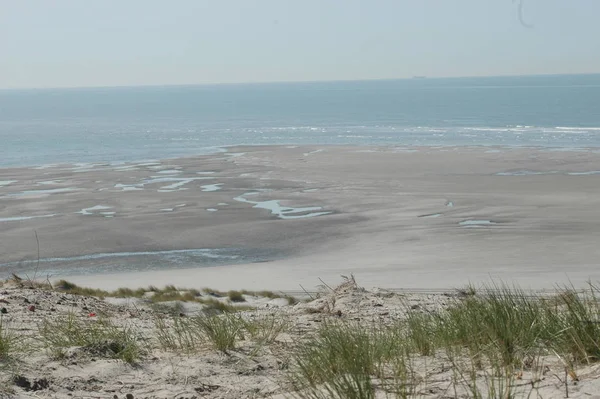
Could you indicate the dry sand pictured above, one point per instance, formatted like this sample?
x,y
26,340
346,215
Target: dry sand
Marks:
x,y
394,218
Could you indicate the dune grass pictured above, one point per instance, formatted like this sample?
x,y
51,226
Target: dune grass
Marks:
x,y
220,332
12,344
156,296
577,317
266,329
178,334
236,296
71,288
168,293
174,309
340,361
209,297
271,295
189,334
98,337
173,295
516,325
505,321
488,337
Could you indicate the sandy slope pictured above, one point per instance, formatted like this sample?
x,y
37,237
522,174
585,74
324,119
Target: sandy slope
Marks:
x,y
249,371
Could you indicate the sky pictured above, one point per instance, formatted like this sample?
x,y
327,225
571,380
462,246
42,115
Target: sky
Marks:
x,y
83,43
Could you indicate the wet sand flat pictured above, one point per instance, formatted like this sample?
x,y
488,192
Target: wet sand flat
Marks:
x,y
279,216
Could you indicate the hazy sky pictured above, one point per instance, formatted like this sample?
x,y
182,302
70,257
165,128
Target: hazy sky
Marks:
x,y
69,43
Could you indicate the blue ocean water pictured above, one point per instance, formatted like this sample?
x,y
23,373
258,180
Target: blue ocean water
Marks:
x,y
127,124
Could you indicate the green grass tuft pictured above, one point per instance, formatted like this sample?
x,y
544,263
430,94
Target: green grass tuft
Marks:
x,y
179,334
71,288
170,293
12,344
236,296
98,337
221,331
214,293
340,361
266,329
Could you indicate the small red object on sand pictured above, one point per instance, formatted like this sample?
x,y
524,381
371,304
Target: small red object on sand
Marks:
x,y
31,308
92,314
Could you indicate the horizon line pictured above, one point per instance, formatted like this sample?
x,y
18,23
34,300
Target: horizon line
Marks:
x,y
275,82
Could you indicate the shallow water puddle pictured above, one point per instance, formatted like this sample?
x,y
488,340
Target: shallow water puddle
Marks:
x,y
90,211
44,192
84,167
313,152
591,172
178,182
207,253
163,190
552,172
526,173
476,223
431,215
125,168
212,187
129,187
403,150
113,262
46,183
283,212
6,182
48,166
20,218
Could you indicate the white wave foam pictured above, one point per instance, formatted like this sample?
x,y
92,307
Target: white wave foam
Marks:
x,y
578,128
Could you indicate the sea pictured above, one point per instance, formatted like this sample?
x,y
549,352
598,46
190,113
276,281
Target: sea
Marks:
x,y
47,126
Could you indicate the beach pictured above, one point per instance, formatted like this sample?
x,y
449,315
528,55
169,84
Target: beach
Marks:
x,y
281,217
293,200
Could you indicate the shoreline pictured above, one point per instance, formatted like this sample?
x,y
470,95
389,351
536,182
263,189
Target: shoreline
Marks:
x,y
395,217
224,149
